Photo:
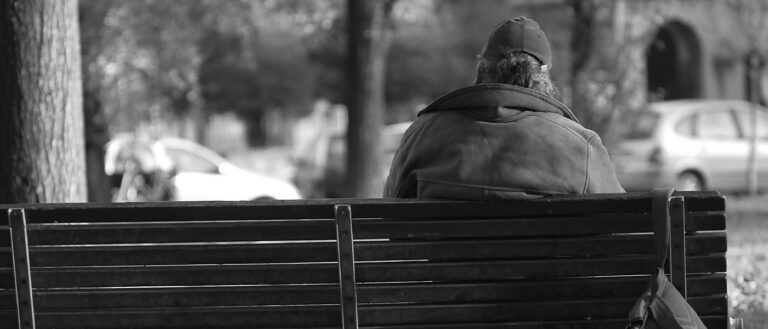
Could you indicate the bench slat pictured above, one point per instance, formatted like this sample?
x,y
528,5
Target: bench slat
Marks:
x,y
367,272
172,254
363,229
502,270
519,312
524,227
710,321
280,317
591,246
225,231
526,290
6,278
8,321
7,299
510,291
185,275
179,211
364,208
187,296
5,234
552,206
213,317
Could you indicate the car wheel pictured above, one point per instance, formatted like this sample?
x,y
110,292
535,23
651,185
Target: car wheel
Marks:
x,y
690,181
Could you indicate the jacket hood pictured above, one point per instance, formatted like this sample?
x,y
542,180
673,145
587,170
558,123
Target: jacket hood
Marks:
x,y
499,95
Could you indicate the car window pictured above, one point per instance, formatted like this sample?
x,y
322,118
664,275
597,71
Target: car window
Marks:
x,y
745,123
718,125
687,126
190,162
642,125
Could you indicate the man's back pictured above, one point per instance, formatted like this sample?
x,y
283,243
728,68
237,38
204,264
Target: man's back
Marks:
x,y
516,146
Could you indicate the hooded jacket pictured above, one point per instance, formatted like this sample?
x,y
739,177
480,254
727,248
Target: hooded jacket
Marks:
x,y
498,141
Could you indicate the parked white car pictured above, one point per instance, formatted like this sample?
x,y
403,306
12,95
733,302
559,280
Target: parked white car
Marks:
x,y
195,173
692,145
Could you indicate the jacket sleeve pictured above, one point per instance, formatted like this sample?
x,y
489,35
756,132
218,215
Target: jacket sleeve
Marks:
x,y
601,177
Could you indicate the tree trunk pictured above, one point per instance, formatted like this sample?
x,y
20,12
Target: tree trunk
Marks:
x,y
92,15
582,49
96,137
754,74
369,39
41,121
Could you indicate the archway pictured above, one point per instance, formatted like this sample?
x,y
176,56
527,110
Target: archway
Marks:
x,y
673,62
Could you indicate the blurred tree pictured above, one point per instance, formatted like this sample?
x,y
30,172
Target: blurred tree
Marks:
x,y
251,76
92,40
41,124
582,50
601,66
164,60
369,33
422,64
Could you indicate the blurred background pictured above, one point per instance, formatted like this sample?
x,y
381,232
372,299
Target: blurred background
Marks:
x,y
286,99
264,85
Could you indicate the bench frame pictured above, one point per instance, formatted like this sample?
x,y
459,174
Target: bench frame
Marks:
x,y
346,264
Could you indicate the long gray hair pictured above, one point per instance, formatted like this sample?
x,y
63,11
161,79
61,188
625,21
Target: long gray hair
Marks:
x,y
517,69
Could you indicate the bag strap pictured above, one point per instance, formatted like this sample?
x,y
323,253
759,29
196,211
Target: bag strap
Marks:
x,y
661,223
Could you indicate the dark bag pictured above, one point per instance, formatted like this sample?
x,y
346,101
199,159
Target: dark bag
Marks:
x,y
661,305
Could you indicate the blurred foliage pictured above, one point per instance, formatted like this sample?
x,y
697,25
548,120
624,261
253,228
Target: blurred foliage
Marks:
x,y
747,262
151,60
154,60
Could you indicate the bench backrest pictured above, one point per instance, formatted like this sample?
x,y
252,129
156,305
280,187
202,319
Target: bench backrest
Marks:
x,y
558,262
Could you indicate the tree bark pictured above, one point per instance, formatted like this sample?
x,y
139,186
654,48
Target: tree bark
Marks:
x,y
369,39
582,49
754,74
41,122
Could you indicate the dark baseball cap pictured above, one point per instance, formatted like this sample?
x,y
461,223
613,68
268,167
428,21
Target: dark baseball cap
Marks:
x,y
518,34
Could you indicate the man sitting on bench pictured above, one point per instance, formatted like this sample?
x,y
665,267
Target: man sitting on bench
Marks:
x,y
506,137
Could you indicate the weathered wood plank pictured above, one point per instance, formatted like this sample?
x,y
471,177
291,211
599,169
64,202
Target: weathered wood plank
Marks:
x,y
178,211
9,320
366,272
185,275
7,299
175,254
225,231
168,297
363,229
364,208
6,278
172,254
526,290
412,315
522,227
200,317
6,259
5,232
374,315
511,291
505,270
710,321
530,248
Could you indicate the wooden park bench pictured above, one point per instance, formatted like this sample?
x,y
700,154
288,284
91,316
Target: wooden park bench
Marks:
x,y
555,262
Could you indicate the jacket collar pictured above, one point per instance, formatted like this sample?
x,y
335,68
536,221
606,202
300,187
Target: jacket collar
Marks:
x,y
499,95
